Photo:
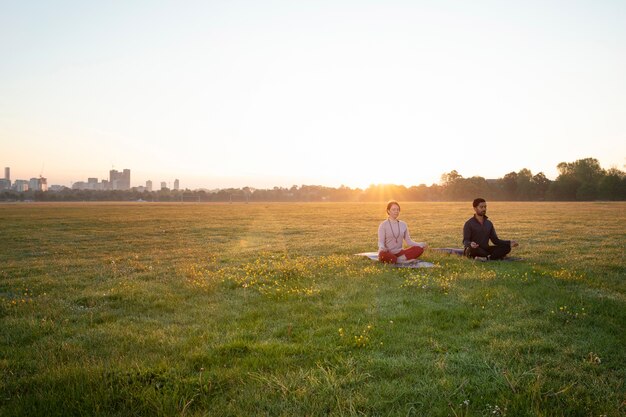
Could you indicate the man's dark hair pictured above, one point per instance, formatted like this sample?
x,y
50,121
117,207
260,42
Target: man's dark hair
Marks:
x,y
478,201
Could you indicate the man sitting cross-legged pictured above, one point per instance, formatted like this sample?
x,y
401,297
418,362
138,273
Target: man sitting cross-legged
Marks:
x,y
477,232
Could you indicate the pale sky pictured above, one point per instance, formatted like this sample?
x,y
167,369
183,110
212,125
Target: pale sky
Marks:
x,y
269,93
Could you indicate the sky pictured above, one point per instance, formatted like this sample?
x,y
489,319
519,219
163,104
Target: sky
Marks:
x,y
278,93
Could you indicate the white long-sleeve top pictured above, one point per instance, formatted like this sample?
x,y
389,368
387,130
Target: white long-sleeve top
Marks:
x,y
391,233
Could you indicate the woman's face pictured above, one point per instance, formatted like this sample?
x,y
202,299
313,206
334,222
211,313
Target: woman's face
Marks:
x,y
394,211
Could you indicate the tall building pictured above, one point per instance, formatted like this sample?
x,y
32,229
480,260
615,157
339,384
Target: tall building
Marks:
x,y
119,180
113,178
38,184
33,184
92,184
176,184
80,185
20,185
5,183
149,185
163,185
126,177
43,184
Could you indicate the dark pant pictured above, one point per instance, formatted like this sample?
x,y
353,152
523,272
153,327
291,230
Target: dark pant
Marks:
x,y
492,252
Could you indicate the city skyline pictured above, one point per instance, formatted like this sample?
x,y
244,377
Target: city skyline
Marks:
x,y
117,180
95,183
234,94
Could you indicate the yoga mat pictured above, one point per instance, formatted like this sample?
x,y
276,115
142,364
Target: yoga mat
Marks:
x,y
451,251
415,263
459,252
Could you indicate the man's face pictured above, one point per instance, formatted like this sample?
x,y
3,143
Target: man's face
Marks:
x,y
481,209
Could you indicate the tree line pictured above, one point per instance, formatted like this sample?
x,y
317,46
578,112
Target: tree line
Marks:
x,y
582,180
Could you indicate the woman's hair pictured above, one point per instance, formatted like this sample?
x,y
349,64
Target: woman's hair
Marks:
x,y
391,203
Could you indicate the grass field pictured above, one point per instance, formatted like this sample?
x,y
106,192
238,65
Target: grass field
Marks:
x,y
261,309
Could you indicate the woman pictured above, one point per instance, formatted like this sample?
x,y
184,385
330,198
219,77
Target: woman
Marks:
x,y
391,233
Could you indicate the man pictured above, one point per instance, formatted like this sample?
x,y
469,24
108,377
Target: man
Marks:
x,y
477,232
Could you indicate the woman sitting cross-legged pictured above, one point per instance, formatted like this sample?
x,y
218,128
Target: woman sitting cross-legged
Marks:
x,y
391,234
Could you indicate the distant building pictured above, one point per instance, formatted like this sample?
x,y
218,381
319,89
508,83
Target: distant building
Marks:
x,y
38,184
163,185
20,185
80,185
176,184
5,183
56,187
119,180
149,185
92,184
89,185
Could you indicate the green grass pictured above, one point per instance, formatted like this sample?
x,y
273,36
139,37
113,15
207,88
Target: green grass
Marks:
x,y
261,309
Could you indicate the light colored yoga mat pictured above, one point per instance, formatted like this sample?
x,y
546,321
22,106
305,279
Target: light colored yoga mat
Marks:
x,y
415,263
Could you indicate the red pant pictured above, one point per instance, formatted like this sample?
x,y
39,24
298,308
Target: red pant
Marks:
x,y
411,253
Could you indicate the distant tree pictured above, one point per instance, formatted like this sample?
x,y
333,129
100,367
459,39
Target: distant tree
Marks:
x,y
509,186
436,192
524,185
344,193
586,170
420,193
564,188
587,191
9,195
540,185
613,185
474,187
453,184
577,180
450,177
384,192
583,179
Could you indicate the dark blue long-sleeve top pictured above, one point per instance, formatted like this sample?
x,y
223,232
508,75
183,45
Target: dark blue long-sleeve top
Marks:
x,y
473,231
